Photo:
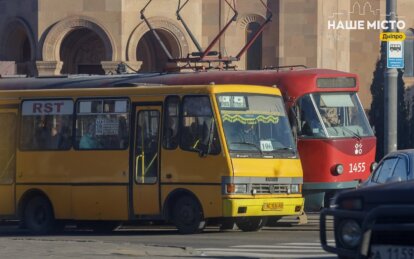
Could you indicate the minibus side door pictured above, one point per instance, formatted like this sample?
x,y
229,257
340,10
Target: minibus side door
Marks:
x,y
146,157
8,129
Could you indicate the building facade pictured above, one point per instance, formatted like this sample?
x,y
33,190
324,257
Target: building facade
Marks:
x,y
52,37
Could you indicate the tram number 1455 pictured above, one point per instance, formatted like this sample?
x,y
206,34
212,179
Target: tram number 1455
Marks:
x,y
357,167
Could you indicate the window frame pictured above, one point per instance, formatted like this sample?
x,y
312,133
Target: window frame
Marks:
x,y
160,125
20,125
165,118
75,144
181,119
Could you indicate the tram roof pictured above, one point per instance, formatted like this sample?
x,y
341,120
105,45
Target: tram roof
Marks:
x,y
251,77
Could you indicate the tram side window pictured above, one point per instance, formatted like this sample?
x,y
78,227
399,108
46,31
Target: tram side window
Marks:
x,y
199,131
46,125
102,124
171,122
7,147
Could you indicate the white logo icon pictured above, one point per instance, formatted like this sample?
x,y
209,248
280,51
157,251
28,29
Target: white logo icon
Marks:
x,y
358,149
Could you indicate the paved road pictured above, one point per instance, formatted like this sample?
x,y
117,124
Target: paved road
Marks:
x,y
287,240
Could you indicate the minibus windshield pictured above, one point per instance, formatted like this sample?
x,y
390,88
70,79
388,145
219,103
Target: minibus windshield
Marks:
x,y
256,125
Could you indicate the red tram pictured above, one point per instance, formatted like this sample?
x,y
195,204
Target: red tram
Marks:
x,y
334,139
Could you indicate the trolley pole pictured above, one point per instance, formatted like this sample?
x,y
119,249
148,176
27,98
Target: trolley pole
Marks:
x,y
390,91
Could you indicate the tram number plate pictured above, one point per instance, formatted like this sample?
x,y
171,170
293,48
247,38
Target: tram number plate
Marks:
x,y
273,206
392,252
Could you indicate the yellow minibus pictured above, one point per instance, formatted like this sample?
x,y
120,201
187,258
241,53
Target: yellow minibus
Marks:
x,y
99,150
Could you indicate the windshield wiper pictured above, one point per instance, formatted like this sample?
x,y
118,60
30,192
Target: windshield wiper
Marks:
x,y
353,133
250,144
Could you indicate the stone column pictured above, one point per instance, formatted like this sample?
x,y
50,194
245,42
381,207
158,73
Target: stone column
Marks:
x,y
49,68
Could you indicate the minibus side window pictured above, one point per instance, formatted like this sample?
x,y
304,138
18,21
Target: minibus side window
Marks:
x,y
102,124
198,126
46,125
171,122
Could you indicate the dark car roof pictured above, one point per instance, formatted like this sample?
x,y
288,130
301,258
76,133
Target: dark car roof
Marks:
x,y
388,193
408,152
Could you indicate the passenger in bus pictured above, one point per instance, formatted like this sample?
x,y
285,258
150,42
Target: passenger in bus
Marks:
x,y
42,134
248,133
170,140
88,140
191,136
55,139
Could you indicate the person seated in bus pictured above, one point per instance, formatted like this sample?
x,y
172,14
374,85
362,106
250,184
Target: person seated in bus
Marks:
x,y
88,140
55,139
122,132
42,134
191,136
247,134
170,139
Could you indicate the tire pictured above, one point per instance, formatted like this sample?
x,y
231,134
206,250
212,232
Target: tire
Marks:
x,y
188,216
227,224
38,216
250,224
273,221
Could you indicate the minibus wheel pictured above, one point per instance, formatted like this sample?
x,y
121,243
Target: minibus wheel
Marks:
x,y
38,216
188,216
249,224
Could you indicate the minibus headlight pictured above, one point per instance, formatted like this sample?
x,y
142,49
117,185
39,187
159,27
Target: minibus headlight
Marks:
x,y
295,188
350,233
236,188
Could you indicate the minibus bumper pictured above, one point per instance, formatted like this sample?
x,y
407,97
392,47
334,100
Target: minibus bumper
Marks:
x,y
262,207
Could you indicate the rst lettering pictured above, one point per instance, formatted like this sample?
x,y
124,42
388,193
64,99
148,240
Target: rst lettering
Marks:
x,y
39,108
49,107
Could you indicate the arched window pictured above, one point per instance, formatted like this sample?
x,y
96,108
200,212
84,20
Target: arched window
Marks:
x,y
409,53
254,53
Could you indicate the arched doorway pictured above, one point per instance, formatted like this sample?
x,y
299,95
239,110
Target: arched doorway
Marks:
x,y
150,52
82,51
17,47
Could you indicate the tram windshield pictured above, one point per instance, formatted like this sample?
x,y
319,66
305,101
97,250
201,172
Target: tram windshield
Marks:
x,y
332,115
256,126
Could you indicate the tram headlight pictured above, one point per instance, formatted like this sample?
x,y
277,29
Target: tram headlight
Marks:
x,y
236,188
339,169
350,233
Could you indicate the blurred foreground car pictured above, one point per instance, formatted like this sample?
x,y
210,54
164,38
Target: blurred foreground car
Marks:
x,y
372,222
394,167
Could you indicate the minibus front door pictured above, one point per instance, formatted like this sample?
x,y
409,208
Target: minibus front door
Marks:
x,y
146,157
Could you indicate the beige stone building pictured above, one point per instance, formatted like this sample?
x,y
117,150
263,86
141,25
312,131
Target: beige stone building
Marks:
x,y
50,37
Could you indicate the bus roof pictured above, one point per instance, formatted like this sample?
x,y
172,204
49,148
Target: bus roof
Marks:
x,y
112,85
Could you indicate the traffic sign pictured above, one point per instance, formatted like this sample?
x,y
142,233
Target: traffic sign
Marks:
x,y
395,54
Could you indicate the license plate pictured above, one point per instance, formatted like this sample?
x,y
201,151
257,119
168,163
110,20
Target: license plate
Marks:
x,y
392,252
274,206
